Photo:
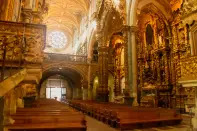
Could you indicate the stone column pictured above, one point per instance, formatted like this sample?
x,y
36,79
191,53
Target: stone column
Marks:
x,y
131,65
85,94
90,85
102,90
85,90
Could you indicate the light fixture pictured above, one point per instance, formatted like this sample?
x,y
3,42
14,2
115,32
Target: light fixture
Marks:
x,y
96,81
117,3
94,24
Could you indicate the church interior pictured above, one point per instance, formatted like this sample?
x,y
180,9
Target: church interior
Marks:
x,y
92,65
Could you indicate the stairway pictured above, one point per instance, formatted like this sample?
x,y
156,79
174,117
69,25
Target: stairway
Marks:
x,y
14,89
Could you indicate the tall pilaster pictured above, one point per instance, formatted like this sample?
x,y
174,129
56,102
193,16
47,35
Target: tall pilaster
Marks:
x,y
102,90
90,84
131,65
85,90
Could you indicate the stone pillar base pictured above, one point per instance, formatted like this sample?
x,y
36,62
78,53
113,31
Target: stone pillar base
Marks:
x,y
102,97
128,100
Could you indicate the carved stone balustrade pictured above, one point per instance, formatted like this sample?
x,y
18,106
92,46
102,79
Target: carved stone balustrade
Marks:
x,y
21,43
12,82
52,57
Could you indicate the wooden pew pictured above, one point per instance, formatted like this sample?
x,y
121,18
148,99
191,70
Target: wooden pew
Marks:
x,y
48,115
125,117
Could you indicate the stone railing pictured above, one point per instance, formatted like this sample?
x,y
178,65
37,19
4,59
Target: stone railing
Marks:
x,y
21,42
188,69
12,82
52,57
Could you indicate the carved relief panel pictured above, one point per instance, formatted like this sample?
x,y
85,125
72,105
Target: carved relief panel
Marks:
x,y
22,42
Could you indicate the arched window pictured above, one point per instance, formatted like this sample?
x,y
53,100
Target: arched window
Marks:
x,y
149,35
57,39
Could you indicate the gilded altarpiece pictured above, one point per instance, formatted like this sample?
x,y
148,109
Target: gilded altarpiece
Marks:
x,y
154,59
162,45
116,61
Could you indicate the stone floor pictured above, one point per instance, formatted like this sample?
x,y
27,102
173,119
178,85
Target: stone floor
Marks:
x,y
95,125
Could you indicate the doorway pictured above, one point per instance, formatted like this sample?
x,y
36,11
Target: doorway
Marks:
x,y
55,93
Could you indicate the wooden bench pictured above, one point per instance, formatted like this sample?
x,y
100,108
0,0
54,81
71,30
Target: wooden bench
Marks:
x,y
48,115
125,117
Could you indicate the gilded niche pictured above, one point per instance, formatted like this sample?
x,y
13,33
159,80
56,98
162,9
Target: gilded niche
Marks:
x,y
153,57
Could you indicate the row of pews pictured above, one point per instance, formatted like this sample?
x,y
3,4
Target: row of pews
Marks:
x,y
47,115
125,117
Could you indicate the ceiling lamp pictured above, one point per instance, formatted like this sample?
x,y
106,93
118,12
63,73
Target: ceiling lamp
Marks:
x,y
117,3
94,24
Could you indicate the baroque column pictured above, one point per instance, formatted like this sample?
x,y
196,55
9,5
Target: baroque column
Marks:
x,y
102,90
131,66
26,11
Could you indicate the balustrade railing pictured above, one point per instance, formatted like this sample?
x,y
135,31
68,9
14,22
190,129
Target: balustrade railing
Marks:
x,y
11,82
52,57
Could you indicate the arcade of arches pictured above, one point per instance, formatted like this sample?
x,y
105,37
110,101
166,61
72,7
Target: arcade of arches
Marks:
x,y
126,52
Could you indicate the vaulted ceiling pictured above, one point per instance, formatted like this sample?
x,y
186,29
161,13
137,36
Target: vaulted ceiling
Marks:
x,y
65,15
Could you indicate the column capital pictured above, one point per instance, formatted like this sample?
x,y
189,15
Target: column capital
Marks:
x,y
26,15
